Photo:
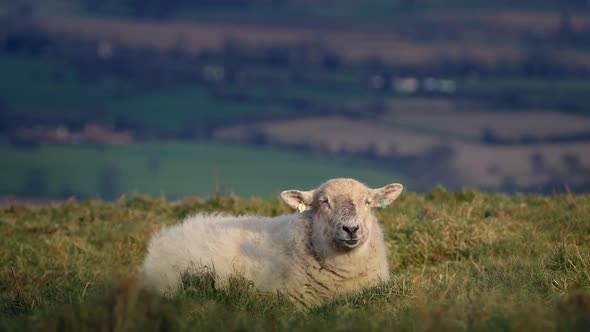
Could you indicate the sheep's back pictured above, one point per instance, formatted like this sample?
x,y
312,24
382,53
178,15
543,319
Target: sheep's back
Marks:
x,y
252,246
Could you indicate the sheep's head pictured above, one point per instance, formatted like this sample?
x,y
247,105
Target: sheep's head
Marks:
x,y
341,210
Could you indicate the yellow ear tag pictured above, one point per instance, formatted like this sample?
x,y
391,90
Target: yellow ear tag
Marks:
x,y
301,207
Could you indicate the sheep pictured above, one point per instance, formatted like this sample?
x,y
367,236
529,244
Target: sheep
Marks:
x,y
333,246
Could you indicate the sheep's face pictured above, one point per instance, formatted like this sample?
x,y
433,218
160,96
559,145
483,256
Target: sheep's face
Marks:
x,y
341,210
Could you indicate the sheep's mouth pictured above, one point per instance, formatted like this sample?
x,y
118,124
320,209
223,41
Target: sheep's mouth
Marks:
x,y
349,243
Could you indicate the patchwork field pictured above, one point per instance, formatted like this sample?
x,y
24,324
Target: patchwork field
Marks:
x,y
465,261
408,135
514,126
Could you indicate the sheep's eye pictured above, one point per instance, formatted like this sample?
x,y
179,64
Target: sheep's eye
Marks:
x,y
368,201
325,202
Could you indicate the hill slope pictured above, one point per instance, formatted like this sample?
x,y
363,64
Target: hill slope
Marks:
x,y
466,261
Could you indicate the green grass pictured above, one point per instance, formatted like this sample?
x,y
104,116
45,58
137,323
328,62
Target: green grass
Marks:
x,y
466,261
174,169
60,93
53,91
51,88
334,93
175,109
525,86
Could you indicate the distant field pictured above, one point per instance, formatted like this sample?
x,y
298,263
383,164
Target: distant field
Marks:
x,y
529,93
29,84
477,164
459,262
351,45
172,169
514,20
472,124
516,16
50,90
41,89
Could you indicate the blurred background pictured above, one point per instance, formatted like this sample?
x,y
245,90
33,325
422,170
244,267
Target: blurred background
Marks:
x,y
206,97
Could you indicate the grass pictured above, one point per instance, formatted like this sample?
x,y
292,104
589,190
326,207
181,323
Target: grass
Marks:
x,y
529,93
334,94
61,94
173,169
189,105
464,261
57,88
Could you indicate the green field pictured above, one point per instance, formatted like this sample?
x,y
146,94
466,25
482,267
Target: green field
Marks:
x,y
173,169
44,89
50,90
460,262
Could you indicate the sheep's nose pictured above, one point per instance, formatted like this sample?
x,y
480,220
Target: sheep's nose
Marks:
x,y
350,230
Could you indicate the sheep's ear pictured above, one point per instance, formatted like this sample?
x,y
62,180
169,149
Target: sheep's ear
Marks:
x,y
294,198
386,195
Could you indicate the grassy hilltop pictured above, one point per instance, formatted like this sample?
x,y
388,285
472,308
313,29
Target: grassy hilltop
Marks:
x,y
465,261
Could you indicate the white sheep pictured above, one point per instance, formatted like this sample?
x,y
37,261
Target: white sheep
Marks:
x,y
333,247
